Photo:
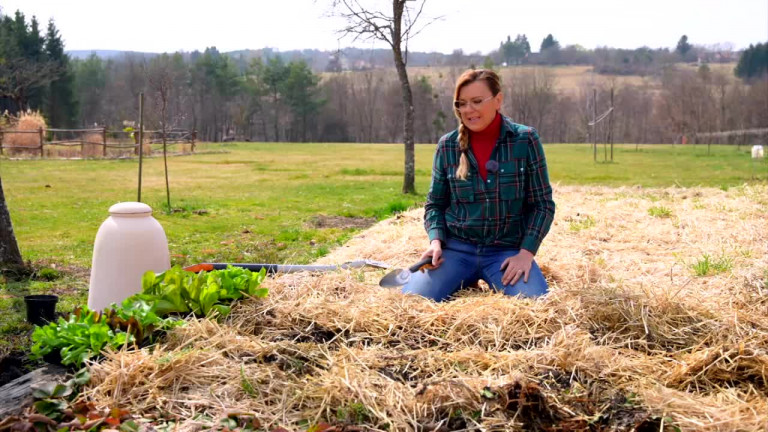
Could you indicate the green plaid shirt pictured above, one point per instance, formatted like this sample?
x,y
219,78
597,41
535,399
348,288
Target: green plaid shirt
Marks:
x,y
513,207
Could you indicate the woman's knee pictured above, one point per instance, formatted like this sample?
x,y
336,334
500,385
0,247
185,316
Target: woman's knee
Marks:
x,y
535,287
434,284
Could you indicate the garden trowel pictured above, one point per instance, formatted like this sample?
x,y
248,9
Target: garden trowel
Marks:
x,y
287,268
399,277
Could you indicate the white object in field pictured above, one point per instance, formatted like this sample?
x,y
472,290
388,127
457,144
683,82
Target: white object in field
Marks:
x,y
128,244
757,152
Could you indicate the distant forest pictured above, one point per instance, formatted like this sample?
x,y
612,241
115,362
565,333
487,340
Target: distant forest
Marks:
x,y
353,95
517,51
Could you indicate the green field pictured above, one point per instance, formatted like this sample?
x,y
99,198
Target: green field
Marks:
x,y
275,190
256,202
655,165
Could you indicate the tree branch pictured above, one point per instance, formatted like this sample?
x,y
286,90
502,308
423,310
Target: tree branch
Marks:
x,y
18,76
364,23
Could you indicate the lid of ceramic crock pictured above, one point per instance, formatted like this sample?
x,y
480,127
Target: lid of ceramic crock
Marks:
x,y
130,208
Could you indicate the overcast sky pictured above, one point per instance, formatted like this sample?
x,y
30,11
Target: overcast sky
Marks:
x,y
168,26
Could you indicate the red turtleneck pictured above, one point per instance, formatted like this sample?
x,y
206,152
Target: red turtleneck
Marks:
x,y
483,142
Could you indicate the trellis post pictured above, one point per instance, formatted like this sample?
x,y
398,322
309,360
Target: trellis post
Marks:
x,y
594,127
141,138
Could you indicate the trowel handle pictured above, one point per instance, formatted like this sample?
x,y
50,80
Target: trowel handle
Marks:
x,y
414,268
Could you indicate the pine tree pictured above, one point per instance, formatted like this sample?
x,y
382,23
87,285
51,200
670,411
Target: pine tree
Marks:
x,y
301,94
32,46
60,105
683,46
549,42
26,71
753,62
517,50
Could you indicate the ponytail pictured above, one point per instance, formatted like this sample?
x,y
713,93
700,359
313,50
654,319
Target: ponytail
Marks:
x,y
463,169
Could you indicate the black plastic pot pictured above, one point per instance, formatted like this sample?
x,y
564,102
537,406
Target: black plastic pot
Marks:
x,y
41,308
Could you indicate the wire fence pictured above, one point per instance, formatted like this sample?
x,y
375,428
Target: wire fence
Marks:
x,y
91,143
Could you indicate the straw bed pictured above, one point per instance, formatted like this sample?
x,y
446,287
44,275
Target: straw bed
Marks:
x,y
629,338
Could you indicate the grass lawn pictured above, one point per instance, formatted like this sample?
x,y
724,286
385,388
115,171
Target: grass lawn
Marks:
x,y
655,165
280,203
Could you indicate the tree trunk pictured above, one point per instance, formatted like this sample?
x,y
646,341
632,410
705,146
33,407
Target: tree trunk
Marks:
x,y
165,152
277,117
408,111
216,128
9,249
264,132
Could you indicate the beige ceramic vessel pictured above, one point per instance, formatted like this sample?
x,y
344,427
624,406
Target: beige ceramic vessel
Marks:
x,y
128,243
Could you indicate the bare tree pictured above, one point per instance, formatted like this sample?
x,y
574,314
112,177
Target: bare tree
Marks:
x,y
686,102
10,257
634,108
160,75
334,119
365,91
396,28
532,94
19,77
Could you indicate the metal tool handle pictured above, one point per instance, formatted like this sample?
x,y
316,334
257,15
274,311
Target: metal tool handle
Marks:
x,y
414,268
285,268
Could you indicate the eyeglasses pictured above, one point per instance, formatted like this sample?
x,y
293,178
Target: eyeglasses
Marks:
x,y
474,103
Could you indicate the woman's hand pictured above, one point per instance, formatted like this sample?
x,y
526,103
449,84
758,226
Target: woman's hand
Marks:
x,y
516,266
436,252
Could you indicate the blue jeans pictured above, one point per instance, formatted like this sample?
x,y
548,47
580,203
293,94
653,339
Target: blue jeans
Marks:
x,y
466,263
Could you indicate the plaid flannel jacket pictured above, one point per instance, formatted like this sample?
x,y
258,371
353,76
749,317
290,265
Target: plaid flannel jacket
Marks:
x,y
512,208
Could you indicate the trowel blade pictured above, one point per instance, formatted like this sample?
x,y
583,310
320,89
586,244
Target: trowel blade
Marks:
x,y
395,278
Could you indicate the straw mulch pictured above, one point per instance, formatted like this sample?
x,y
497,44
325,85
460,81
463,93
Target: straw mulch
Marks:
x,y
93,145
24,143
629,338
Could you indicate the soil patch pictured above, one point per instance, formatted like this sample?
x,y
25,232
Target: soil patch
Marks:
x,y
12,367
323,221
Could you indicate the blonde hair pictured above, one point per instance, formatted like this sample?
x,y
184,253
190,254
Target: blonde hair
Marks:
x,y
494,84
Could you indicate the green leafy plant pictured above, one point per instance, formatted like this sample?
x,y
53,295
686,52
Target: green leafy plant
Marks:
x,y
702,266
237,421
179,291
660,212
83,335
321,427
708,265
580,224
355,413
722,264
138,318
245,383
487,393
48,274
52,396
